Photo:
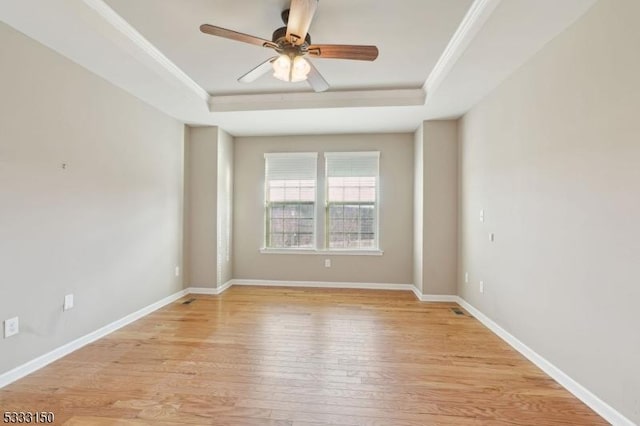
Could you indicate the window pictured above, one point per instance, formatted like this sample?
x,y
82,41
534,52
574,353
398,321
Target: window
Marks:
x,y
351,200
290,200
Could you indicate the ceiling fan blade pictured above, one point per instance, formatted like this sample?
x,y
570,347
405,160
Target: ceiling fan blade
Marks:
x,y
258,71
234,35
344,51
315,79
300,16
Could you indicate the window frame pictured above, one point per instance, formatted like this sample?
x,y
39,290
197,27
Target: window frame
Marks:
x,y
267,204
376,221
268,218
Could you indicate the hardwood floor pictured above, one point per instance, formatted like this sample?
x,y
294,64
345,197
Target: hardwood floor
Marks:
x,y
285,356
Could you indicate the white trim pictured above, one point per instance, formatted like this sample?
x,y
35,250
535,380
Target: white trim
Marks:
x,y
115,20
416,292
269,176
202,290
267,250
210,290
583,394
303,100
61,351
225,286
438,298
323,284
472,22
291,154
341,154
337,155
214,291
43,360
598,405
334,252
347,252
434,297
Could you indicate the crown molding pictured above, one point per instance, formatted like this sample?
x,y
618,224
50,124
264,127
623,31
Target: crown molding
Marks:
x,y
472,22
258,102
119,23
305,100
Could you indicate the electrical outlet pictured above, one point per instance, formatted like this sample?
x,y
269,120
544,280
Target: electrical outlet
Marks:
x,y
68,302
11,327
327,263
177,271
492,237
482,215
466,278
481,286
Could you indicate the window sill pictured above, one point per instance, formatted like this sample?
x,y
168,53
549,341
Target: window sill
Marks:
x,y
374,252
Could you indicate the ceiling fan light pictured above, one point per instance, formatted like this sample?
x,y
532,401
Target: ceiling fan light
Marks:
x,y
301,69
282,63
286,69
282,68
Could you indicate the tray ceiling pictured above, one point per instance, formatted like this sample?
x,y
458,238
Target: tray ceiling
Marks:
x,y
438,58
410,34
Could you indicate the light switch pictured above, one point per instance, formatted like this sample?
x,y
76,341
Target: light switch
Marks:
x,y
11,327
68,302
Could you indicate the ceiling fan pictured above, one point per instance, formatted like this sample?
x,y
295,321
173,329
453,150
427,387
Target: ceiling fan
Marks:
x,y
293,43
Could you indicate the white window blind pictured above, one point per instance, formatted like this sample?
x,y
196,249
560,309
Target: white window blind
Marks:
x,y
352,200
291,165
290,199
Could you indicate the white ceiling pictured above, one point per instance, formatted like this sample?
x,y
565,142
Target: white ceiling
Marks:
x,y
516,30
410,35
153,49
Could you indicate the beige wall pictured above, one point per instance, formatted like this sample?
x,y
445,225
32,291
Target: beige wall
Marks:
x,y
440,207
553,157
108,228
209,195
202,196
396,212
225,207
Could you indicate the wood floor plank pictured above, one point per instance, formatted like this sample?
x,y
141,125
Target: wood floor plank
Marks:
x,y
297,356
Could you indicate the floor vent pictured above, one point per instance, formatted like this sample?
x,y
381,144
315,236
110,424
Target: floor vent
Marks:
x,y
457,311
188,302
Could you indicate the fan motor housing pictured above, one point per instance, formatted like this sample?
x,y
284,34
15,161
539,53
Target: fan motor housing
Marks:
x,y
279,36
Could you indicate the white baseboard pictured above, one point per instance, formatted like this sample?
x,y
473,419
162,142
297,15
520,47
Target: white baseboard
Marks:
x,y
210,290
323,284
225,286
590,399
434,297
43,360
202,290
438,298
583,394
